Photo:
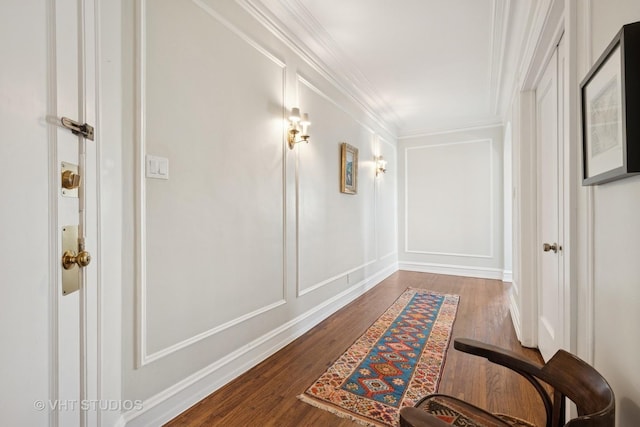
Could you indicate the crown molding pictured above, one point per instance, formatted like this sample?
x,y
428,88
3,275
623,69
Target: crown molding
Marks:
x,y
303,34
460,126
499,30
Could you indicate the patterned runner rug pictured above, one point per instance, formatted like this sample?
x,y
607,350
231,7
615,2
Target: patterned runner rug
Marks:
x,y
398,360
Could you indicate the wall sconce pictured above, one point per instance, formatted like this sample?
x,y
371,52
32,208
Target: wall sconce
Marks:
x,y
381,165
298,125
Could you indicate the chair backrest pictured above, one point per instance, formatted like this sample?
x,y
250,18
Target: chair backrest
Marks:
x,y
584,386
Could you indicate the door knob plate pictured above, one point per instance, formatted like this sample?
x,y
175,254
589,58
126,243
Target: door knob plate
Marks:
x,y
70,272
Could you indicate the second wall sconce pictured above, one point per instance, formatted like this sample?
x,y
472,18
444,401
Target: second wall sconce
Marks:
x,y
381,165
298,125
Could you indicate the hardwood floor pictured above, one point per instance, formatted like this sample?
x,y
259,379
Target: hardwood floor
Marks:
x,y
267,394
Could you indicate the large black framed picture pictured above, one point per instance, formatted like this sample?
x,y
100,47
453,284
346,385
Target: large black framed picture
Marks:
x,y
611,111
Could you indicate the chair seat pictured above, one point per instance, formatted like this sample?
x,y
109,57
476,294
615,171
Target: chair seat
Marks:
x,y
460,413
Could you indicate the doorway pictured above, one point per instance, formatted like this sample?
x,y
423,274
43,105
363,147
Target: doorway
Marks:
x,y
549,142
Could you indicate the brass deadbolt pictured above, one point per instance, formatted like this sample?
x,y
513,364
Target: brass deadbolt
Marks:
x,y
69,259
70,180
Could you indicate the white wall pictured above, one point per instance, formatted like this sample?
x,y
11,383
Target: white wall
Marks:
x,y
29,290
601,229
450,203
248,244
612,235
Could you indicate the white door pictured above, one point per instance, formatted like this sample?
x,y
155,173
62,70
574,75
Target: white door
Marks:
x,y
549,141
48,358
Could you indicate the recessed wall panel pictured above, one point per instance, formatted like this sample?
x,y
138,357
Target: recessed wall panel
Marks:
x,y
213,241
336,230
386,203
449,199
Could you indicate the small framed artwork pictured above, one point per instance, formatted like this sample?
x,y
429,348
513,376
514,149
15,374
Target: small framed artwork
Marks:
x,y
611,111
349,169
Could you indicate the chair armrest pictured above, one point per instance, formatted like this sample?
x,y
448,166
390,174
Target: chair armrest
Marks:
x,y
414,417
530,370
498,356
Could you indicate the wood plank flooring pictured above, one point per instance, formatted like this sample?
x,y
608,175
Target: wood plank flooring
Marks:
x,y
267,394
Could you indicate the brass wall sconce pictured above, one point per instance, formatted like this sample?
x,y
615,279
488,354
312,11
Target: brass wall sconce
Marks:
x,y
381,165
298,125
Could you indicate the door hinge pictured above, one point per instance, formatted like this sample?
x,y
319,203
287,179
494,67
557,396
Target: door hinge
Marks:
x,y
85,130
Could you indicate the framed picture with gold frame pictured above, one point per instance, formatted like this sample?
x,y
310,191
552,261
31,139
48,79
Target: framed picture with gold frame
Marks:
x,y
349,169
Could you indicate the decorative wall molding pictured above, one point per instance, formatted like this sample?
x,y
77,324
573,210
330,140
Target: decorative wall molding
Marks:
x,y
143,357
338,276
499,31
239,33
491,200
452,270
164,406
301,80
333,71
379,141
453,128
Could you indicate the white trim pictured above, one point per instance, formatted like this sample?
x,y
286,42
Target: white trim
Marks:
x,y
215,330
318,285
165,405
54,240
486,124
300,291
491,199
527,222
362,97
449,253
142,355
244,37
306,82
500,16
589,327
452,270
553,18
515,314
378,181
109,125
507,276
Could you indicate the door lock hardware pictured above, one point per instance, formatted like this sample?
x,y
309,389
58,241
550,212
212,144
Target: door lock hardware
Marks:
x,y
74,258
70,180
70,259
76,128
551,247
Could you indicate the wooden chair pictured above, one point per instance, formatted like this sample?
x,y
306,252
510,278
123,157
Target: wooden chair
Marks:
x,y
567,375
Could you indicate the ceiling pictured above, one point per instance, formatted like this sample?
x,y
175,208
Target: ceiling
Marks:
x,y
419,66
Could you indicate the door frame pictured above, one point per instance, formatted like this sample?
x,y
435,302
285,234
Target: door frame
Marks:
x,y
108,104
559,21
102,311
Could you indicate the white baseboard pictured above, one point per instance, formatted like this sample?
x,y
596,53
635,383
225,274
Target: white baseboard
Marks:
x,y
171,402
515,315
507,276
453,270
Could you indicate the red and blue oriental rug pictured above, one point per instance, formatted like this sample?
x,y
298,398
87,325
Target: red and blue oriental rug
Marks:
x,y
397,361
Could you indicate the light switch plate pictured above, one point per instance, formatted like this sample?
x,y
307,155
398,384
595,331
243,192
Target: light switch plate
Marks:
x,y
156,167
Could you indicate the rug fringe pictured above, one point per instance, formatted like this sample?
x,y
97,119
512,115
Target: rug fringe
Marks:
x,y
338,412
